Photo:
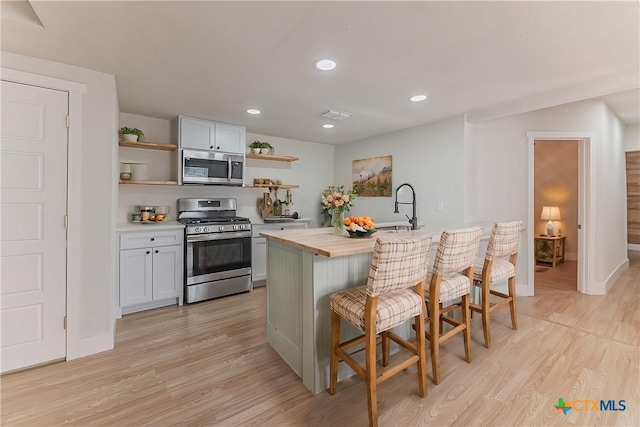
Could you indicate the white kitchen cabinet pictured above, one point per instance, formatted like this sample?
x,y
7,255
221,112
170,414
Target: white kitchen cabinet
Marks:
x,y
151,270
259,248
209,135
230,138
196,133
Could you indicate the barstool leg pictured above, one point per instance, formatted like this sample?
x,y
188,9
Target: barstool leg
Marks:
x,y
372,395
512,304
466,319
434,343
386,348
486,314
335,342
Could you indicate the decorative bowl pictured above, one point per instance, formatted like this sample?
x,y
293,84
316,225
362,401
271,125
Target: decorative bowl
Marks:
x,y
360,234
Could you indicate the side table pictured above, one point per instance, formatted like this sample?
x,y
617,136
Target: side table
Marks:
x,y
549,249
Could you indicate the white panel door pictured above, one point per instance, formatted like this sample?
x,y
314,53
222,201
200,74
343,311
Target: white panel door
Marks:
x,y
33,258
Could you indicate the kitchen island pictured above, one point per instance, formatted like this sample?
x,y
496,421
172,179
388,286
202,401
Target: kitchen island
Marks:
x,y
304,268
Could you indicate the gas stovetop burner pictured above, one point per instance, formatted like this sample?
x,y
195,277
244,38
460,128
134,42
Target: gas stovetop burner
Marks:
x,y
208,216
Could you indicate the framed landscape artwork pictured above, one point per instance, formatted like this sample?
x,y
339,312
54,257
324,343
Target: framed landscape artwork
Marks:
x,y
372,177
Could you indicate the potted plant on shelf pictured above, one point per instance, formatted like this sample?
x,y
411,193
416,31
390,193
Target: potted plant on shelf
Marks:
x,y
256,146
131,134
266,148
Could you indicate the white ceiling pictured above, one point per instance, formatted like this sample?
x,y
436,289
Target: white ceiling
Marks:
x,y
216,59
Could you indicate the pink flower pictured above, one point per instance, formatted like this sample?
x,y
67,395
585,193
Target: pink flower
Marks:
x,y
339,203
345,198
329,198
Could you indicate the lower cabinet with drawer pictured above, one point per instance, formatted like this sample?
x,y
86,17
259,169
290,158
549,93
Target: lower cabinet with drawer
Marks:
x,y
259,248
151,270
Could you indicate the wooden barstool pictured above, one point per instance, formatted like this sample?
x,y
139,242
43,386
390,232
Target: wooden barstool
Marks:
x,y
393,295
504,242
450,279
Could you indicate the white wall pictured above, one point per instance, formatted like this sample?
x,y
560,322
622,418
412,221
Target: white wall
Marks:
x,y
429,157
96,227
611,202
497,187
313,172
632,137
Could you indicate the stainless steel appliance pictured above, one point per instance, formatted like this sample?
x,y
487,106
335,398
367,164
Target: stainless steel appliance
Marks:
x,y
211,167
217,249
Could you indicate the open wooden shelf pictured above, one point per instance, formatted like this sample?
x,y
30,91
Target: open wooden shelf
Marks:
x,y
272,157
272,186
148,145
149,182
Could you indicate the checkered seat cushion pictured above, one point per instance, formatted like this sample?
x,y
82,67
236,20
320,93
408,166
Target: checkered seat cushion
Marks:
x,y
501,270
452,285
393,308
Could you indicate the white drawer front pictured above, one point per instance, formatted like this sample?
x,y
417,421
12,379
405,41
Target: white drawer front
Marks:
x,y
259,228
151,239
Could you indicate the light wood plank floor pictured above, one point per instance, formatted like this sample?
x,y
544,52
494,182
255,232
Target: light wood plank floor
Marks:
x,y
563,276
209,364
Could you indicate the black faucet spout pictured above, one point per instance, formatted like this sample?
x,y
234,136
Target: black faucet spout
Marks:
x,y
414,219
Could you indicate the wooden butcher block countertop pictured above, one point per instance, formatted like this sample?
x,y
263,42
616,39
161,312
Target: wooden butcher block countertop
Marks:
x,y
321,241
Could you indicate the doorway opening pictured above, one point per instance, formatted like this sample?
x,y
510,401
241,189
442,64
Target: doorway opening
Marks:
x,y
556,208
581,248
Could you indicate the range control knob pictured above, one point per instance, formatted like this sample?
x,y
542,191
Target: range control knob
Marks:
x,y
221,228
235,227
206,229
197,229
241,226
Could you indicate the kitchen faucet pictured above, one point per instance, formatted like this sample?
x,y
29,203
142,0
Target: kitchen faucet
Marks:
x,y
413,220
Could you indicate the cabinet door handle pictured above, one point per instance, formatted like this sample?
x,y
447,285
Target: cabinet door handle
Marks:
x,y
148,252
153,238
157,251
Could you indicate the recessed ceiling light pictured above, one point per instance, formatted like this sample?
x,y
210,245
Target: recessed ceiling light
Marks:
x,y
253,111
325,64
418,98
327,126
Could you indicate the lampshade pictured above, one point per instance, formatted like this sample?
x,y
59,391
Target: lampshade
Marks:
x,y
550,213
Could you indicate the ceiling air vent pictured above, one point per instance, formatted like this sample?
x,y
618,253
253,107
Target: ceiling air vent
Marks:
x,y
335,115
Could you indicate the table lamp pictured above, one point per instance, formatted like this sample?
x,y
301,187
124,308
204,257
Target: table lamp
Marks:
x,y
550,213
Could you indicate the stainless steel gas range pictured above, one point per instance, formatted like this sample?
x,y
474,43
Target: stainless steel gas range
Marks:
x,y
217,249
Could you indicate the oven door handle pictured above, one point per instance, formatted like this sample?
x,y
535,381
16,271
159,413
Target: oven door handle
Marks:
x,y
218,236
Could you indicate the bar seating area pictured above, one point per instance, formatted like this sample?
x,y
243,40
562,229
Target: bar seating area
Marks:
x,y
388,300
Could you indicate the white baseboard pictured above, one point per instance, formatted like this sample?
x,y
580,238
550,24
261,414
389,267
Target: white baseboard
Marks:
x,y
615,275
633,247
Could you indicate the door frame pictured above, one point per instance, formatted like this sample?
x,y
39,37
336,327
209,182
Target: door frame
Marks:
x,y
74,137
586,206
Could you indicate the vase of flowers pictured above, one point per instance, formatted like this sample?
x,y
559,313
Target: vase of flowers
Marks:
x,y
335,202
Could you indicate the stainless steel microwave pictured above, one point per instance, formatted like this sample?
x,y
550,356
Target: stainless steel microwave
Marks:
x,y
211,167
